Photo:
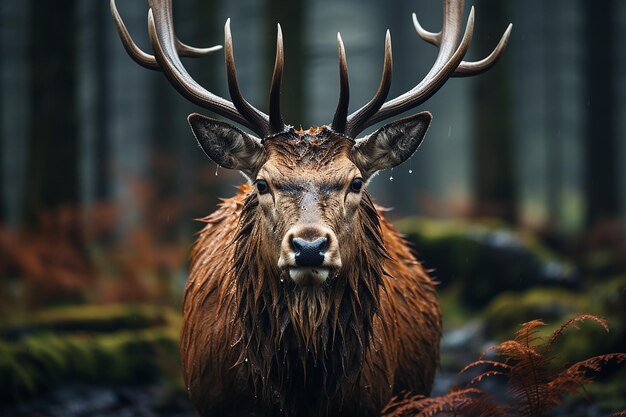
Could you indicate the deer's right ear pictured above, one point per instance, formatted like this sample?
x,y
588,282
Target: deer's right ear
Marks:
x,y
390,145
226,145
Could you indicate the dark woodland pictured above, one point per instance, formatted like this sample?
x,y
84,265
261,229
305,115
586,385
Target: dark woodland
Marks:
x,y
511,214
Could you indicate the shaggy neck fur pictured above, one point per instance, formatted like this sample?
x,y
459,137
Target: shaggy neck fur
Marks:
x,y
306,345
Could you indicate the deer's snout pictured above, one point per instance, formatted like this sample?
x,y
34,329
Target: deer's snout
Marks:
x,y
309,253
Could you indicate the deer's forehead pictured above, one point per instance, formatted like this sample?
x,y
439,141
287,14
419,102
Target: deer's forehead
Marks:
x,y
280,171
298,149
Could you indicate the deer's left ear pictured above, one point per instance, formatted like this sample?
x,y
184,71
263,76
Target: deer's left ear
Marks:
x,y
390,145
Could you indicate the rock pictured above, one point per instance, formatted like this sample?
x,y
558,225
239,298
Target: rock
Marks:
x,y
485,258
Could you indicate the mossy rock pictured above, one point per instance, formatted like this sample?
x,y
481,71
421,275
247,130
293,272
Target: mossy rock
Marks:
x,y
485,257
38,360
506,312
89,318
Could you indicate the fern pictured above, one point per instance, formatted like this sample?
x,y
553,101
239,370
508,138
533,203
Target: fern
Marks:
x,y
536,381
470,402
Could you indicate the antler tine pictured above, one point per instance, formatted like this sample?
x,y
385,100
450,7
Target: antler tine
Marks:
x,y
341,114
276,119
160,29
192,51
357,120
449,63
465,68
430,37
259,120
147,60
449,57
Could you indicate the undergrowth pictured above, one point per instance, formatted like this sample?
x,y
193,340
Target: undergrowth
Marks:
x,y
537,380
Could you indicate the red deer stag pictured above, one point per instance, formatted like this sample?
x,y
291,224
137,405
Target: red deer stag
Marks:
x,y
302,299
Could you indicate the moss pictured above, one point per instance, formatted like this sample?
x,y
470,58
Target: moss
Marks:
x,y
507,311
453,311
485,257
38,360
465,230
89,319
16,380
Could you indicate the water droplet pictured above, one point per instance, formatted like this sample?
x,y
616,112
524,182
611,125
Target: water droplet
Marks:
x,y
217,168
282,280
275,397
391,178
410,171
245,360
449,130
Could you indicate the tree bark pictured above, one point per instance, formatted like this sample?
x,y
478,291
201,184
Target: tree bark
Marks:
x,y
52,133
601,182
494,168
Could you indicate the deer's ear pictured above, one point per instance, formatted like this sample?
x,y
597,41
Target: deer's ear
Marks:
x,y
226,145
390,145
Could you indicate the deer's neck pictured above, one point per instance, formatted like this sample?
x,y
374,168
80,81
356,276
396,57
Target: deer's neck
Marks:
x,y
305,342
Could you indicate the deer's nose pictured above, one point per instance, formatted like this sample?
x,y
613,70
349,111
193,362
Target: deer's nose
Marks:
x,y
309,253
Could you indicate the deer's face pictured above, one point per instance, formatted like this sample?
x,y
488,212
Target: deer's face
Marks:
x,y
309,186
309,191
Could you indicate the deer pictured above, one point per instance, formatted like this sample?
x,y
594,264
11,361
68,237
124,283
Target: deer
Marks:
x,y
302,298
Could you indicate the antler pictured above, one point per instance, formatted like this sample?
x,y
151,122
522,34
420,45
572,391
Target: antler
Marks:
x,y
449,63
167,52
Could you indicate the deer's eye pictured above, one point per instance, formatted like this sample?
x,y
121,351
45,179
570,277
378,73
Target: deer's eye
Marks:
x,y
356,185
262,187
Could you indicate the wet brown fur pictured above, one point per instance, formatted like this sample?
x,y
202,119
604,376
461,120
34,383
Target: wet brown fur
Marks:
x,y
254,343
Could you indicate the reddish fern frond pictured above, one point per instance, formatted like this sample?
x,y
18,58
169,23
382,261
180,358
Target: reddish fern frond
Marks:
x,y
468,402
485,362
528,328
534,382
402,405
574,322
594,364
484,375
618,414
571,380
455,402
528,333
513,350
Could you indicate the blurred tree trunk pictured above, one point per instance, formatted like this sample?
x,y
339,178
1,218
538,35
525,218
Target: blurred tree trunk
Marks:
x,y
52,131
601,182
102,21
92,66
552,93
494,168
291,15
